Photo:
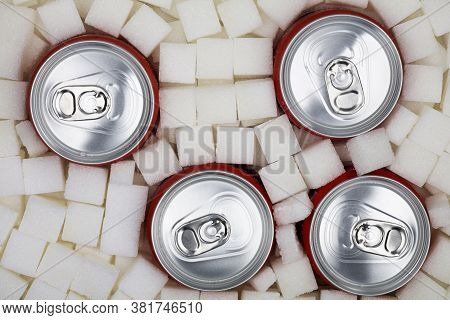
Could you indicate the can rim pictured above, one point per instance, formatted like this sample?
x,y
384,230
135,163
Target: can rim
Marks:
x,y
124,45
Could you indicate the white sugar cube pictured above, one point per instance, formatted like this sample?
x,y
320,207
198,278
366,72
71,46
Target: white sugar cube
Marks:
x,y
61,20
438,58
293,209
43,175
145,30
219,295
143,281
9,143
438,210
12,99
283,12
263,280
288,243
93,253
119,295
239,17
319,164
43,218
394,11
258,295
83,7
282,179
409,33
421,287
39,290
8,219
216,104
355,3
95,279
12,286
422,83
15,203
122,172
440,176
253,57
124,214
306,138
370,151
83,224
336,295
178,107
416,107
124,264
235,145
109,16
438,13
215,59
177,34
399,124
177,62
59,266
199,18
157,161
34,145
259,160
11,171
195,145
23,253
413,162
268,28
166,4
179,293
294,279
74,296
256,99
86,184
432,131
277,139
307,296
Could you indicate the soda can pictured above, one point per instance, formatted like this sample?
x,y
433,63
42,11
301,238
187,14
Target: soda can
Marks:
x,y
211,227
368,235
93,99
337,73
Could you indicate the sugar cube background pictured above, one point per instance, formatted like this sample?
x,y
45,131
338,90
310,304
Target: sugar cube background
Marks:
x,y
9,143
179,293
438,58
199,18
109,16
288,243
437,12
8,219
235,145
216,104
399,124
293,209
440,176
122,172
177,63
34,145
119,295
195,145
239,17
83,7
214,58
43,175
355,3
39,290
12,286
83,224
12,99
219,295
166,4
253,57
336,295
11,171
256,99
283,12
263,280
258,295
74,296
394,11
421,287
422,83
446,95
268,28
438,259
438,210
178,106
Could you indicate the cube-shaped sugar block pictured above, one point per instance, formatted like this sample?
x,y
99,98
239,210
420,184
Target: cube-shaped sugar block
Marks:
x,y
11,171
61,20
438,58
432,131
74,296
277,139
438,210
15,203
399,124
421,287
319,164
263,280
9,143
219,295
253,57
145,30
178,106
86,184
39,290
422,83
43,218
336,295
34,145
199,18
59,266
215,59
283,12
294,279
235,145
370,151
43,175
437,12
93,253
179,293
157,161
409,33
256,99
177,62
177,34
143,281
124,214
12,99
83,224
394,11
293,209
23,253
95,279
119,295
216,104
355,3
440,176
282,179
268,28
109,16
258,295
288,243
413,162
239,17
8,219
195,145
12,286
122,172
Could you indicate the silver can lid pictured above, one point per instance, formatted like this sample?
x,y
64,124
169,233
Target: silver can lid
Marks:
x,y
369,235
92,99
339,74
212,230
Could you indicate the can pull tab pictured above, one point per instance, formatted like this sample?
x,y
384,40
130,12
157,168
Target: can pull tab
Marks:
x,y
382,238
202,235
344,86
78,103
